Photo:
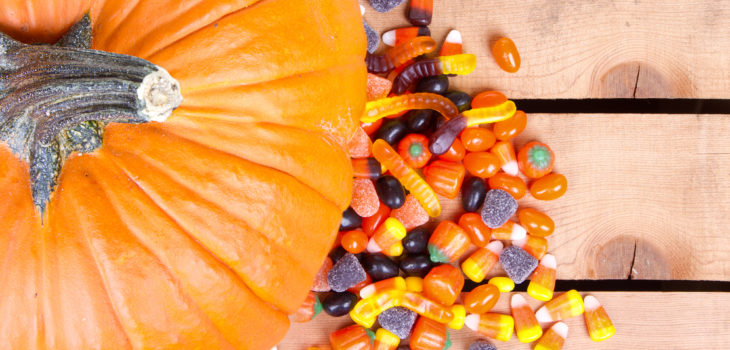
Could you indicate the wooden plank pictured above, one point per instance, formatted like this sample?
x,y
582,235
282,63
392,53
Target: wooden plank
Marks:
x,y
648,320
582,49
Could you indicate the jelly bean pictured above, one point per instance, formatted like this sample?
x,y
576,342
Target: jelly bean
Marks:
x,y
437,84
371,223
350,338
535,246
391,283
320,280
554,338
395,37
479,263
425,195
455,153
488,99
414,150
481,299
428,335
481,164
420,12
504,284
398,55
339,304
461,99
564,306
491,325
536,223
444,177
535,159
354,241
337,253
452,44
420,120
310,308
416,241
509,231
392,131
478,232
457,64
512,184
526,325
360,144
505,152
448,242
506,54
350,220
477,139
390,191
386,235
598,323
542,283
368,168
509,128
371,128
443,284
379,267
473,192
356,288
377,87
378,109
411,214
385,340
549,187
414,284
364,197
442,139
416,265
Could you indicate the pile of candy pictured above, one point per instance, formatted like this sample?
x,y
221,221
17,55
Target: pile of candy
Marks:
x,y
386,267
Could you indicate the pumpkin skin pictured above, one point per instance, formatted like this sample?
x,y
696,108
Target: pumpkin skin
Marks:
x,y
205,231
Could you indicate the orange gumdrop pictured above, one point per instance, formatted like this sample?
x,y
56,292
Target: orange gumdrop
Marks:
x,y
549,187
509,128
512,184
377,87
360,145
506,54
411,214
320,280
365,200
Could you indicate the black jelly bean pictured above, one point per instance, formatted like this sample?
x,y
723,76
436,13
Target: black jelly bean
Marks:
x,y
339,304
420,120
437,84
350,220
461,99
473,192
337,253
416,241
379,267
392,131
403,347
390,191
416,265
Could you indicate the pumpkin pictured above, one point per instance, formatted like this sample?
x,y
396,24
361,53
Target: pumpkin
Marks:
x,y
204,231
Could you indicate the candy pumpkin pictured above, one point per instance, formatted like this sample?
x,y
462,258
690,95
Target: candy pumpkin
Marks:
x,y
189,210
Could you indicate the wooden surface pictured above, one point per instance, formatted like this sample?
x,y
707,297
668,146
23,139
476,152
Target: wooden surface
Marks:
x,y
642,320
582,49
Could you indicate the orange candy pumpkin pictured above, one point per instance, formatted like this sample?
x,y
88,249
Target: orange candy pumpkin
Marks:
x,y
198,232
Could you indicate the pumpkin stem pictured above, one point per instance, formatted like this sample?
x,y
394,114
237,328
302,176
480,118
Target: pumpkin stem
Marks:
x,y
57,99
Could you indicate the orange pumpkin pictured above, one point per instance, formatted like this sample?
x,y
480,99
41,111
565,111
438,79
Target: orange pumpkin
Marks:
x,y
205,231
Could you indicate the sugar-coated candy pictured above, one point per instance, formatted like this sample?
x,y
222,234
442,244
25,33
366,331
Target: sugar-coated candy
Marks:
x,y
506,54
386,235
481,299
350,338
346,273
416,265
385,340
542,282
566,305
356,288
479,263
420,120
461,64
443,284
411,214
509,231
420,12
365,200
398,320
482,344
455,153
320,280
535,159
378,109
476,139
535,222
395,37
385,5
473,192
598,323
379,267
392,131
492,325
437,84
413,148
498,207
354,241
514,185
452,44
428,335
372,36
554,338
377,287
461,99
350,220
504,284
390,191
517,263
339,304
399,55
535,246
445,177
416,241
448,242
549,187
367,168
478,232
310,308
360,144
505,152
378,87
526,325
371,223
481,164
414,284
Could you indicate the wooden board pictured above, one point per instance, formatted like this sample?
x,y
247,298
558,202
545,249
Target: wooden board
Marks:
x,y
582,49
642,321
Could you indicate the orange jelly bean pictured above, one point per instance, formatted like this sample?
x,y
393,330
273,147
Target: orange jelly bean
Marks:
x,y
448,242
506,54
354,241
455,153
478,231
512,184
479,263
350,338
549,187
481,164
505,152
445,177
428,335
536,159
443,284
481,299
371,223
488,99
508,129
476,139
535,246
535,222
358,287
371,128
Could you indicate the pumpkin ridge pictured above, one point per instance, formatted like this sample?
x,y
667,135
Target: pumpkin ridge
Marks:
x,y
114,31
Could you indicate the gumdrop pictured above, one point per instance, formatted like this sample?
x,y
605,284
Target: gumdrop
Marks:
x,y
360,145
498,207
398,320
320,280
482,344
378,87
385,5
411,214
346,273
365,200
518,263
373,37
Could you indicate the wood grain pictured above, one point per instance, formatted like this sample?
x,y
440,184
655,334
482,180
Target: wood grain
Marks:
x,y
642,320
582,49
